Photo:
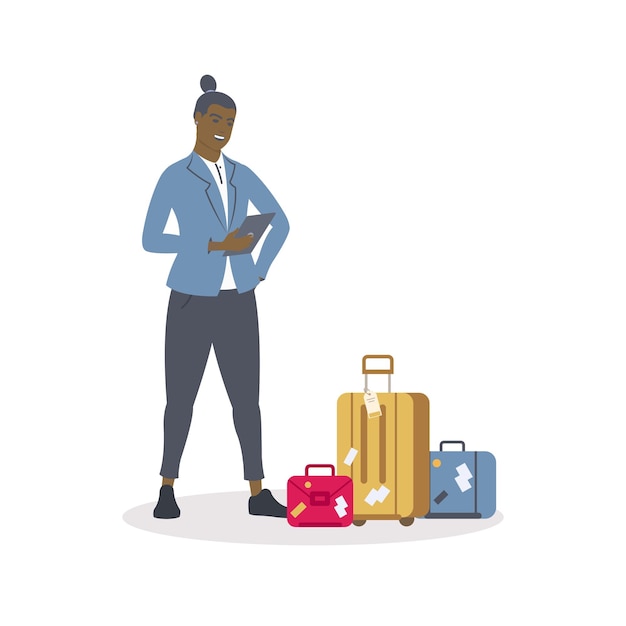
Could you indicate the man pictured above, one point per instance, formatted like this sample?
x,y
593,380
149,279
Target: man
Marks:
x,y
212,303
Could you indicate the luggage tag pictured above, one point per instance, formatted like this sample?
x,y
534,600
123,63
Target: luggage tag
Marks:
x,y
370,398
372,405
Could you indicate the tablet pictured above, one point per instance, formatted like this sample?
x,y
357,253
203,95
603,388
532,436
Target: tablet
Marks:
x,y
255,224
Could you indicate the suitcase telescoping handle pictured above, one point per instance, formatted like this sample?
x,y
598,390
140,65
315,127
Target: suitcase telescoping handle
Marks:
x,y
327,466
388,371
453,442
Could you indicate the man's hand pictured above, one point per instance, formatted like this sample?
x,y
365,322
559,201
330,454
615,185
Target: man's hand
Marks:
x,y
232,243
236,244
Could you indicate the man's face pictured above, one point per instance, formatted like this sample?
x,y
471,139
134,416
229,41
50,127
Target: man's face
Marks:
x,y
215,126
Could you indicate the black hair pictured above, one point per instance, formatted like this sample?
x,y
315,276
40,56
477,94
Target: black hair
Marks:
x,y
210,96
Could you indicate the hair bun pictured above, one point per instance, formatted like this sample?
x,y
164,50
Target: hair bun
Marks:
x,y
207,83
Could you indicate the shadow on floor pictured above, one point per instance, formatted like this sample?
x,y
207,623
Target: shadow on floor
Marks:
x,y
224,517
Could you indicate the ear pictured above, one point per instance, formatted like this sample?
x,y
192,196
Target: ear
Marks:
x,y
197,116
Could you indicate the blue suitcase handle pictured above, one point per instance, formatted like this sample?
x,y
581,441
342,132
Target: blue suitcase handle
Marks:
x,y
441,444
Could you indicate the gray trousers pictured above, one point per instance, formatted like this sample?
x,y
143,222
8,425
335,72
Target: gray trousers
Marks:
x,y
229,323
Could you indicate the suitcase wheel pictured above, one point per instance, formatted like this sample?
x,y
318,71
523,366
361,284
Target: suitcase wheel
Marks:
x,y
407,521
358,522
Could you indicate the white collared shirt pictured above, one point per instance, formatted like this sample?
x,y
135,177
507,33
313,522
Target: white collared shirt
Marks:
x,y
218,171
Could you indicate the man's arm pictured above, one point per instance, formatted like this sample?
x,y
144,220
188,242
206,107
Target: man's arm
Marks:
x,y
154,239
265,202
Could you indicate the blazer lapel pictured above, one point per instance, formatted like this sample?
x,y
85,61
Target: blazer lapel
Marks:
x,y
199,169
232,188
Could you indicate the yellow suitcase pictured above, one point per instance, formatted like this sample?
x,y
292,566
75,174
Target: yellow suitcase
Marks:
x,y
385,450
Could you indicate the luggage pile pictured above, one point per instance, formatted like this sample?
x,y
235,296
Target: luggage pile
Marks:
x,y
385,469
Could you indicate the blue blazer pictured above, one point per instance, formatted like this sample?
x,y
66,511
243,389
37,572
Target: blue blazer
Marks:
x,y
189,189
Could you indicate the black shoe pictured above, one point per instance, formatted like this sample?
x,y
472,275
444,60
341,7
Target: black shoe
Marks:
x,y
166,507
264,503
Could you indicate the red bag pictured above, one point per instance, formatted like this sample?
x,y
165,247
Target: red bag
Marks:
x,y
314,500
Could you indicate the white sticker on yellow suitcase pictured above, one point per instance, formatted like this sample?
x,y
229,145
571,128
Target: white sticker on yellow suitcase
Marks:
x,y
350,456
377,495
371,404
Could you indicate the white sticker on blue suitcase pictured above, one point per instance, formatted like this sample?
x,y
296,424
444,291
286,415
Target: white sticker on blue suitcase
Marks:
x,y
462,480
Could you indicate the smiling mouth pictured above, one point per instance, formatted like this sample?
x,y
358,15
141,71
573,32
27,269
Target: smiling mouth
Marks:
x,y
219,137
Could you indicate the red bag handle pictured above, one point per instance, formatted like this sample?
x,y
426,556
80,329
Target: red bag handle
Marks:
x,y
332,468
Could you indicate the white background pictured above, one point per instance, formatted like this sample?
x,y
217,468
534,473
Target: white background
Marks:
x,y
453,173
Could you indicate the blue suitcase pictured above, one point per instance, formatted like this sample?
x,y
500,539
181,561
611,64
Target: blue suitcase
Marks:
x,y
462,484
